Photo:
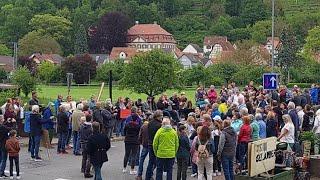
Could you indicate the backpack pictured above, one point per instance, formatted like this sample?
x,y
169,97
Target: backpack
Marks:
x,y
203,153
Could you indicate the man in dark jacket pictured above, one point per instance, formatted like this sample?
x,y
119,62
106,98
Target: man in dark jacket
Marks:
x,y
85,132
36,123
98,145
97,115
294,117
153,127
3,152
227,149
62,130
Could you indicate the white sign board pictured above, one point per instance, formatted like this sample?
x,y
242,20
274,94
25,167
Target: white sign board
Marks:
x,y
261,156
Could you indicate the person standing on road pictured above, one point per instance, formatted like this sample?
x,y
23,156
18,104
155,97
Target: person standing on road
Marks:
x,y
227,148
153,127
76,121
13,148
62,130
183,153
131,132
85,132
165,147
98,145
143,140
36,122
3,152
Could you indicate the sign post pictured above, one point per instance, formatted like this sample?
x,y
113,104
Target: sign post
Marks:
x,y
270,81
69,81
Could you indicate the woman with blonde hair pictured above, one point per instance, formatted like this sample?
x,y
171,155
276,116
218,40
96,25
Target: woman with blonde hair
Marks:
x,y
287,132
272,128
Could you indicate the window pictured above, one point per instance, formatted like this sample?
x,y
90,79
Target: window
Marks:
x,y
122,55
208,47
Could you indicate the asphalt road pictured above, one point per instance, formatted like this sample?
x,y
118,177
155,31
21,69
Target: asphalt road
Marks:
x,y
67,166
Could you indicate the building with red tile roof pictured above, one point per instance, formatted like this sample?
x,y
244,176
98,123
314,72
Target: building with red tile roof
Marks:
x,y
6,63
215,46
145,37
122,53
52,58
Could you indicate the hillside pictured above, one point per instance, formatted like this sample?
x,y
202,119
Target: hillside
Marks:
x,y
292,7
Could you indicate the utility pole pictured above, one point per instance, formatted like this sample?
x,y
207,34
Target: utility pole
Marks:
x,y
15,55
272,39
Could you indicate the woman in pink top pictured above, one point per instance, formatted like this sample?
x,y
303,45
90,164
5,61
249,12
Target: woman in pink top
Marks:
x,y
243,140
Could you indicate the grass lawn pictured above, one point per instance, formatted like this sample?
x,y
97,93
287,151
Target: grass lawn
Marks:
x,y
49,93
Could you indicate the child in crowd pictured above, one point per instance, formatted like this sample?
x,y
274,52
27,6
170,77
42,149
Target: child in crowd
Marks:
x,y
13,148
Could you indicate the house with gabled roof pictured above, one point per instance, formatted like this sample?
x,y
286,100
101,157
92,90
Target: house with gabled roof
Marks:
x,y
122,53
215,46
193,49
145,37
6,63
38,58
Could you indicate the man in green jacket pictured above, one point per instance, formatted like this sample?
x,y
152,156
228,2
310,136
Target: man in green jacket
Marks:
x,y
165,146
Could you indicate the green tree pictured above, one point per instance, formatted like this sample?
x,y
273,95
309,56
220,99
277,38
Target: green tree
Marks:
x,y
37,42
287,56
233,7
5,51
196,74
117,68
222,27
151,73
312,45
253,11
13,22
49,73
81,42
3,74
24,80
54,26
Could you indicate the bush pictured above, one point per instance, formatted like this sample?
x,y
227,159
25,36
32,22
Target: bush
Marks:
x,y
5,94
49,73
24,80
117,71
301,85
3,74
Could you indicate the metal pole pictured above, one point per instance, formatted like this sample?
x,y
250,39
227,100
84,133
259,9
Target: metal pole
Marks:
x,y
110,85
272,39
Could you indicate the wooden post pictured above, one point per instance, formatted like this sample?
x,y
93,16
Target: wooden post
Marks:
x,y
100,92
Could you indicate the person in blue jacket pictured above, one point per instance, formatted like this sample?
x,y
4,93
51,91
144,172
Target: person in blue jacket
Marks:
x,y
314,93
57,104
49,125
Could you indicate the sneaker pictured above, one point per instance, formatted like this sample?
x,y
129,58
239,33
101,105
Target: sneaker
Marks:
x,y
194,174
18,177
32,158
124,170
11,177
88,176
219,174
38,159
214,174
133,172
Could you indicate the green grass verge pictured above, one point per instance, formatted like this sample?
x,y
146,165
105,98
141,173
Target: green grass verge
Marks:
x,y
49,93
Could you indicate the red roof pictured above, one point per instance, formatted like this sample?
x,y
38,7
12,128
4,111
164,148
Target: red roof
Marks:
x,y
276,41
6,62
129,51
222,40
52,58
147,29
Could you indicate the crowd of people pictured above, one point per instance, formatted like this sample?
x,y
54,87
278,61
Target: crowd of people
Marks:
x,y
211,136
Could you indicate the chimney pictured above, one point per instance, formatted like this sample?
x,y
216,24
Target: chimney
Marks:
x,y
137,22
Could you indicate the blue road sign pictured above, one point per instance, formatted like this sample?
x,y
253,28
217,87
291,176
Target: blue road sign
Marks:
x,y
270,81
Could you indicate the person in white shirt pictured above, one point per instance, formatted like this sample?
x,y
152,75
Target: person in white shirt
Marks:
x,y
316,126
300,115
287,132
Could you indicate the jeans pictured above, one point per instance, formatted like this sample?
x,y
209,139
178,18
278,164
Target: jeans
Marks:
x,y
62,141
3,162
143,156
69,135
120,128
35,145
243,149
227,165
205,164
76,142
151,164
130,152
216,164
164,164
97,172
86,165
182,168
194,168
14,159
